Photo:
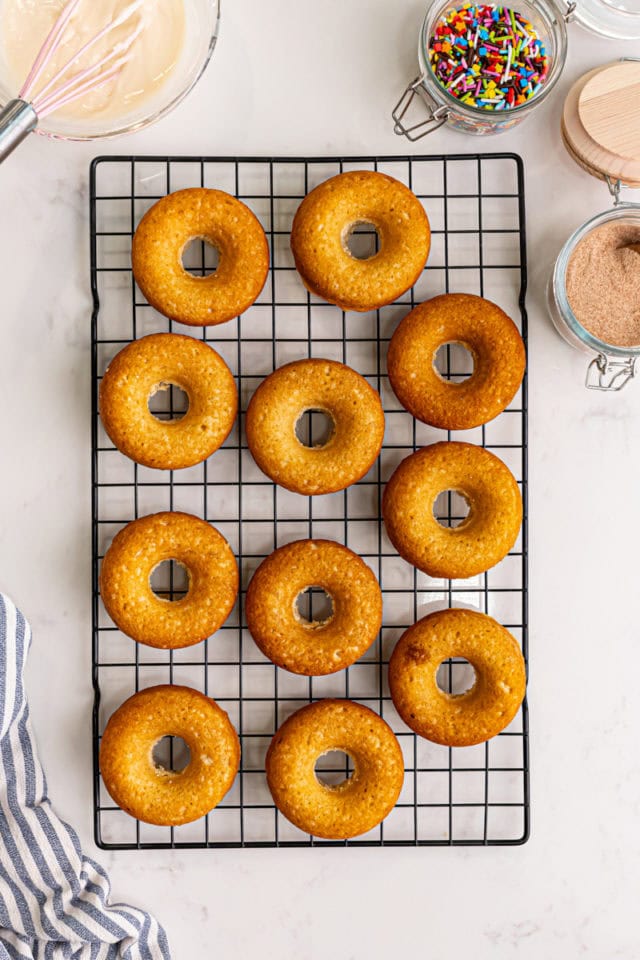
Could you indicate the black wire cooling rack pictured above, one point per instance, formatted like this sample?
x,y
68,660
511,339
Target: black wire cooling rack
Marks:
x,y
475,795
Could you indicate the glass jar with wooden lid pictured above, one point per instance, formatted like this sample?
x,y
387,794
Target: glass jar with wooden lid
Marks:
x,y
594,291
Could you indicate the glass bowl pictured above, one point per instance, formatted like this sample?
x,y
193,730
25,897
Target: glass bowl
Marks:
x,y
202,19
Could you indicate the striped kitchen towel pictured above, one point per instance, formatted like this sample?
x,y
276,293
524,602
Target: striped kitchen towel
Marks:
x,y
54,902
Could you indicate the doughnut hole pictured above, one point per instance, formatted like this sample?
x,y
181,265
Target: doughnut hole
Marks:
x,y
451,508
314,607
361,240
334,768
200,257
455,677
171,754
315,427
168,402
453,362
169,580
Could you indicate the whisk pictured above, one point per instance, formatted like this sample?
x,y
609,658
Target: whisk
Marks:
x,y
22,115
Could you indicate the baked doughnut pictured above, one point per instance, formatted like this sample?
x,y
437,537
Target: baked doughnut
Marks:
x,y
225,223
483,538
321,385
319,647
154,363
134,554
322,226
354,806
148,791
457,720
490,336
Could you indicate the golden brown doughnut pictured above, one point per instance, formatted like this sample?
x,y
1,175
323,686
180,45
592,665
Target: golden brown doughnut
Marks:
x,y
321,229
320,647
354,806
457,720
483,538
228,225
149,792
490,336
134,554
339,392
154,363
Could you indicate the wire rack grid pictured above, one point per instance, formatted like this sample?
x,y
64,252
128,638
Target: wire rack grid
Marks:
x,y
461,796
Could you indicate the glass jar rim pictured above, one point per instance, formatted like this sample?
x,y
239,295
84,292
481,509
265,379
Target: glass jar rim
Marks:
x,y
628,27
548,10
560,289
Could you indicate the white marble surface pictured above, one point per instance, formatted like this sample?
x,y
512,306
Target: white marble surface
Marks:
x,y
295,77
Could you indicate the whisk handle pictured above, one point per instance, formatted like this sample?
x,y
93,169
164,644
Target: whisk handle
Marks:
x,y
17,120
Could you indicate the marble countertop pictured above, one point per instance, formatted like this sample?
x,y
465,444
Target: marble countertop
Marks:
x,y
296,78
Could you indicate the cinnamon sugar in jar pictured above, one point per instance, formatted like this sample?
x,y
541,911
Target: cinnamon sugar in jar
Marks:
x,y
603,283
594,295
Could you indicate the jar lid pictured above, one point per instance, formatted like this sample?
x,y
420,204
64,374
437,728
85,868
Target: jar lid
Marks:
x,y
601,122
618,19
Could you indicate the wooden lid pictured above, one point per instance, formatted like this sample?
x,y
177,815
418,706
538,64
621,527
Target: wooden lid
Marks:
x,y
601,122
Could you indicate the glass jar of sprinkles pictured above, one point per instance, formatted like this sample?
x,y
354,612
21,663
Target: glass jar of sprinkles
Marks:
x,y
485,67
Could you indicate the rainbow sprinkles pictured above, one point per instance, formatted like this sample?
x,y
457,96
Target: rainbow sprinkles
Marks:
x,y
488,56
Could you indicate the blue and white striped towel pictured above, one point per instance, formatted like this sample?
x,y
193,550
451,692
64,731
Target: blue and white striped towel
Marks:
x,y
53,900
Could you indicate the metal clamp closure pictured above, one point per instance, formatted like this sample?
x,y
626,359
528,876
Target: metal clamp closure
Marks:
x,y
437,115
606,374
614,189
570,13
